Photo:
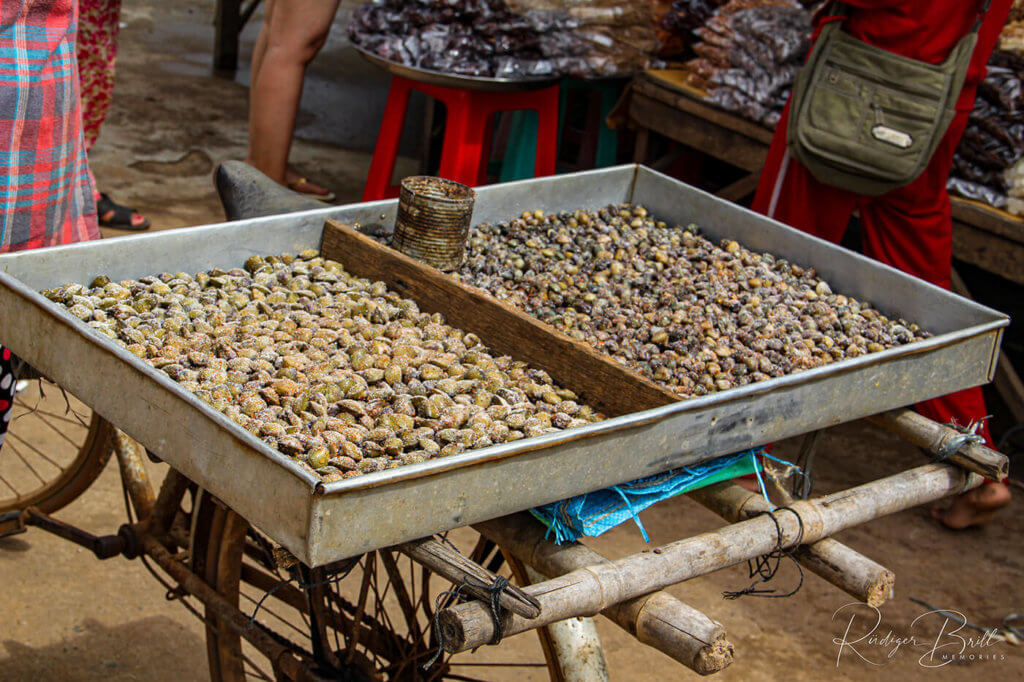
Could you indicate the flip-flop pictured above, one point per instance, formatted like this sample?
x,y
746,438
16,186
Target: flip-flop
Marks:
x,y
122,215
294,186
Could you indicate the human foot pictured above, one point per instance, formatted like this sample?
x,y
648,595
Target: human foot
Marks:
x,y
113,214
975,507
297,183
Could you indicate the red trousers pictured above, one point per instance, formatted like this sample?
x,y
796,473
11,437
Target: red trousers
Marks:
x,y
910,228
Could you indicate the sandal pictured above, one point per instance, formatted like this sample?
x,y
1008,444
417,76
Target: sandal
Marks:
x,y
296,184
120,216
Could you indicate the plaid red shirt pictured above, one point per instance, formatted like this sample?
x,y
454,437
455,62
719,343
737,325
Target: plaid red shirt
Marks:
x,y
46,195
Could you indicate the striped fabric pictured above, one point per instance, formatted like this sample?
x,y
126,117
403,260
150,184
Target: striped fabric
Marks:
x,y
46,195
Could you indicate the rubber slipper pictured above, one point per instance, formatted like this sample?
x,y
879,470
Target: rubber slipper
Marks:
x,y
294,186
121,217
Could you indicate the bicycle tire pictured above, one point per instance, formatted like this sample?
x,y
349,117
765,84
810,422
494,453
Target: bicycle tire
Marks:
x,y
218,550
90,460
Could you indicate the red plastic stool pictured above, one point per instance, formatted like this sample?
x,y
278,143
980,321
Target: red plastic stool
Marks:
x,y
467,134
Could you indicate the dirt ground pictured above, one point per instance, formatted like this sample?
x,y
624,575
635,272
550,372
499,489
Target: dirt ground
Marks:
x,y
67,616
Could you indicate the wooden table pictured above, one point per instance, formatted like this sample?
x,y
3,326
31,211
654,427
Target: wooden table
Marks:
x,y
665,106
230,17
991,239
662,102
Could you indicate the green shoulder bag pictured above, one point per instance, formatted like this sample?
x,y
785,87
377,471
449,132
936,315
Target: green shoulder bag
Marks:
x,y
867,120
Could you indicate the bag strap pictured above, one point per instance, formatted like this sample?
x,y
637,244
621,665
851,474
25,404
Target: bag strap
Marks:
x,y
840,11
981,16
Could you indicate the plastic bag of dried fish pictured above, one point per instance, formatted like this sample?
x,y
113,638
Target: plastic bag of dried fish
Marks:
x,y
335,371
994,139
749,55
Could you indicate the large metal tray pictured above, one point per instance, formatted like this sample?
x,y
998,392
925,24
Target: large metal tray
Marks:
x,y
321,523
454,80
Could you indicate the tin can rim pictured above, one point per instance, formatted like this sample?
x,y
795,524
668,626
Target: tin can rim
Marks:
x,y
458,192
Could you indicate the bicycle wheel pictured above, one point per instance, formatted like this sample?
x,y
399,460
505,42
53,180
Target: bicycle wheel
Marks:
x,y
54,449
371,617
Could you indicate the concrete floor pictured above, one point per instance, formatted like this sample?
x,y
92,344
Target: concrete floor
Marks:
x,y
172,121
67,616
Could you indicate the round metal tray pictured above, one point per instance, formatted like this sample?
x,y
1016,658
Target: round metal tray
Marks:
x,y
450,80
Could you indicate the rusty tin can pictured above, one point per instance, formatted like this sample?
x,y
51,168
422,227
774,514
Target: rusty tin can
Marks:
x,y
433,220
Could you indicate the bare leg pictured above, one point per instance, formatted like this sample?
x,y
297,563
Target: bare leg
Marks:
x,y
260,48
975,507
294,33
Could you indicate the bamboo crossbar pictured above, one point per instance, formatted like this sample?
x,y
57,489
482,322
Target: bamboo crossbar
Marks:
x,y
847,569
590,590
934,437
467,575
658,620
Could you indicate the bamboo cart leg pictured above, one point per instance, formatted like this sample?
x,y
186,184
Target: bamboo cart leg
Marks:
x,y
658,620
227,26
592,589
577,647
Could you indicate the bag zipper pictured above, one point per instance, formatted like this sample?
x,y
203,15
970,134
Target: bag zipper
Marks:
x,y
880,119
863,73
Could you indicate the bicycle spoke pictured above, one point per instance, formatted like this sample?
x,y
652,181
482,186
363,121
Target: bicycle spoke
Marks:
x,y
73,422
396,667
265,609
441,668
335,617
404,600
33,449
382,621
59,432
24,461
425,603
382,612
509,664
8,484
37,408
265,582
256,669
364,589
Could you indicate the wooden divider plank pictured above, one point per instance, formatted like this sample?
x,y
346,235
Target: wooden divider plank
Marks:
x,y
601,382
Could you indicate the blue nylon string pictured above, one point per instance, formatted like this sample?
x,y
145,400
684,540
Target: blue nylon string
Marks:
x,y
594,513
636,518
760,481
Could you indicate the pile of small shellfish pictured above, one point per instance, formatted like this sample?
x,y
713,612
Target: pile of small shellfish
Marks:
x,y
336,371
665,301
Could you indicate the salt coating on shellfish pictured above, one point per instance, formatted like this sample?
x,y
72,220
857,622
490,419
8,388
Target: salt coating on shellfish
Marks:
x,y
695,316
333,370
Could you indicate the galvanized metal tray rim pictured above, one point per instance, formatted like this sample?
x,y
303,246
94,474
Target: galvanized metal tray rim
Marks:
x,y
638,419
495,452
452,80
173,235
854,255
162,379
323,522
